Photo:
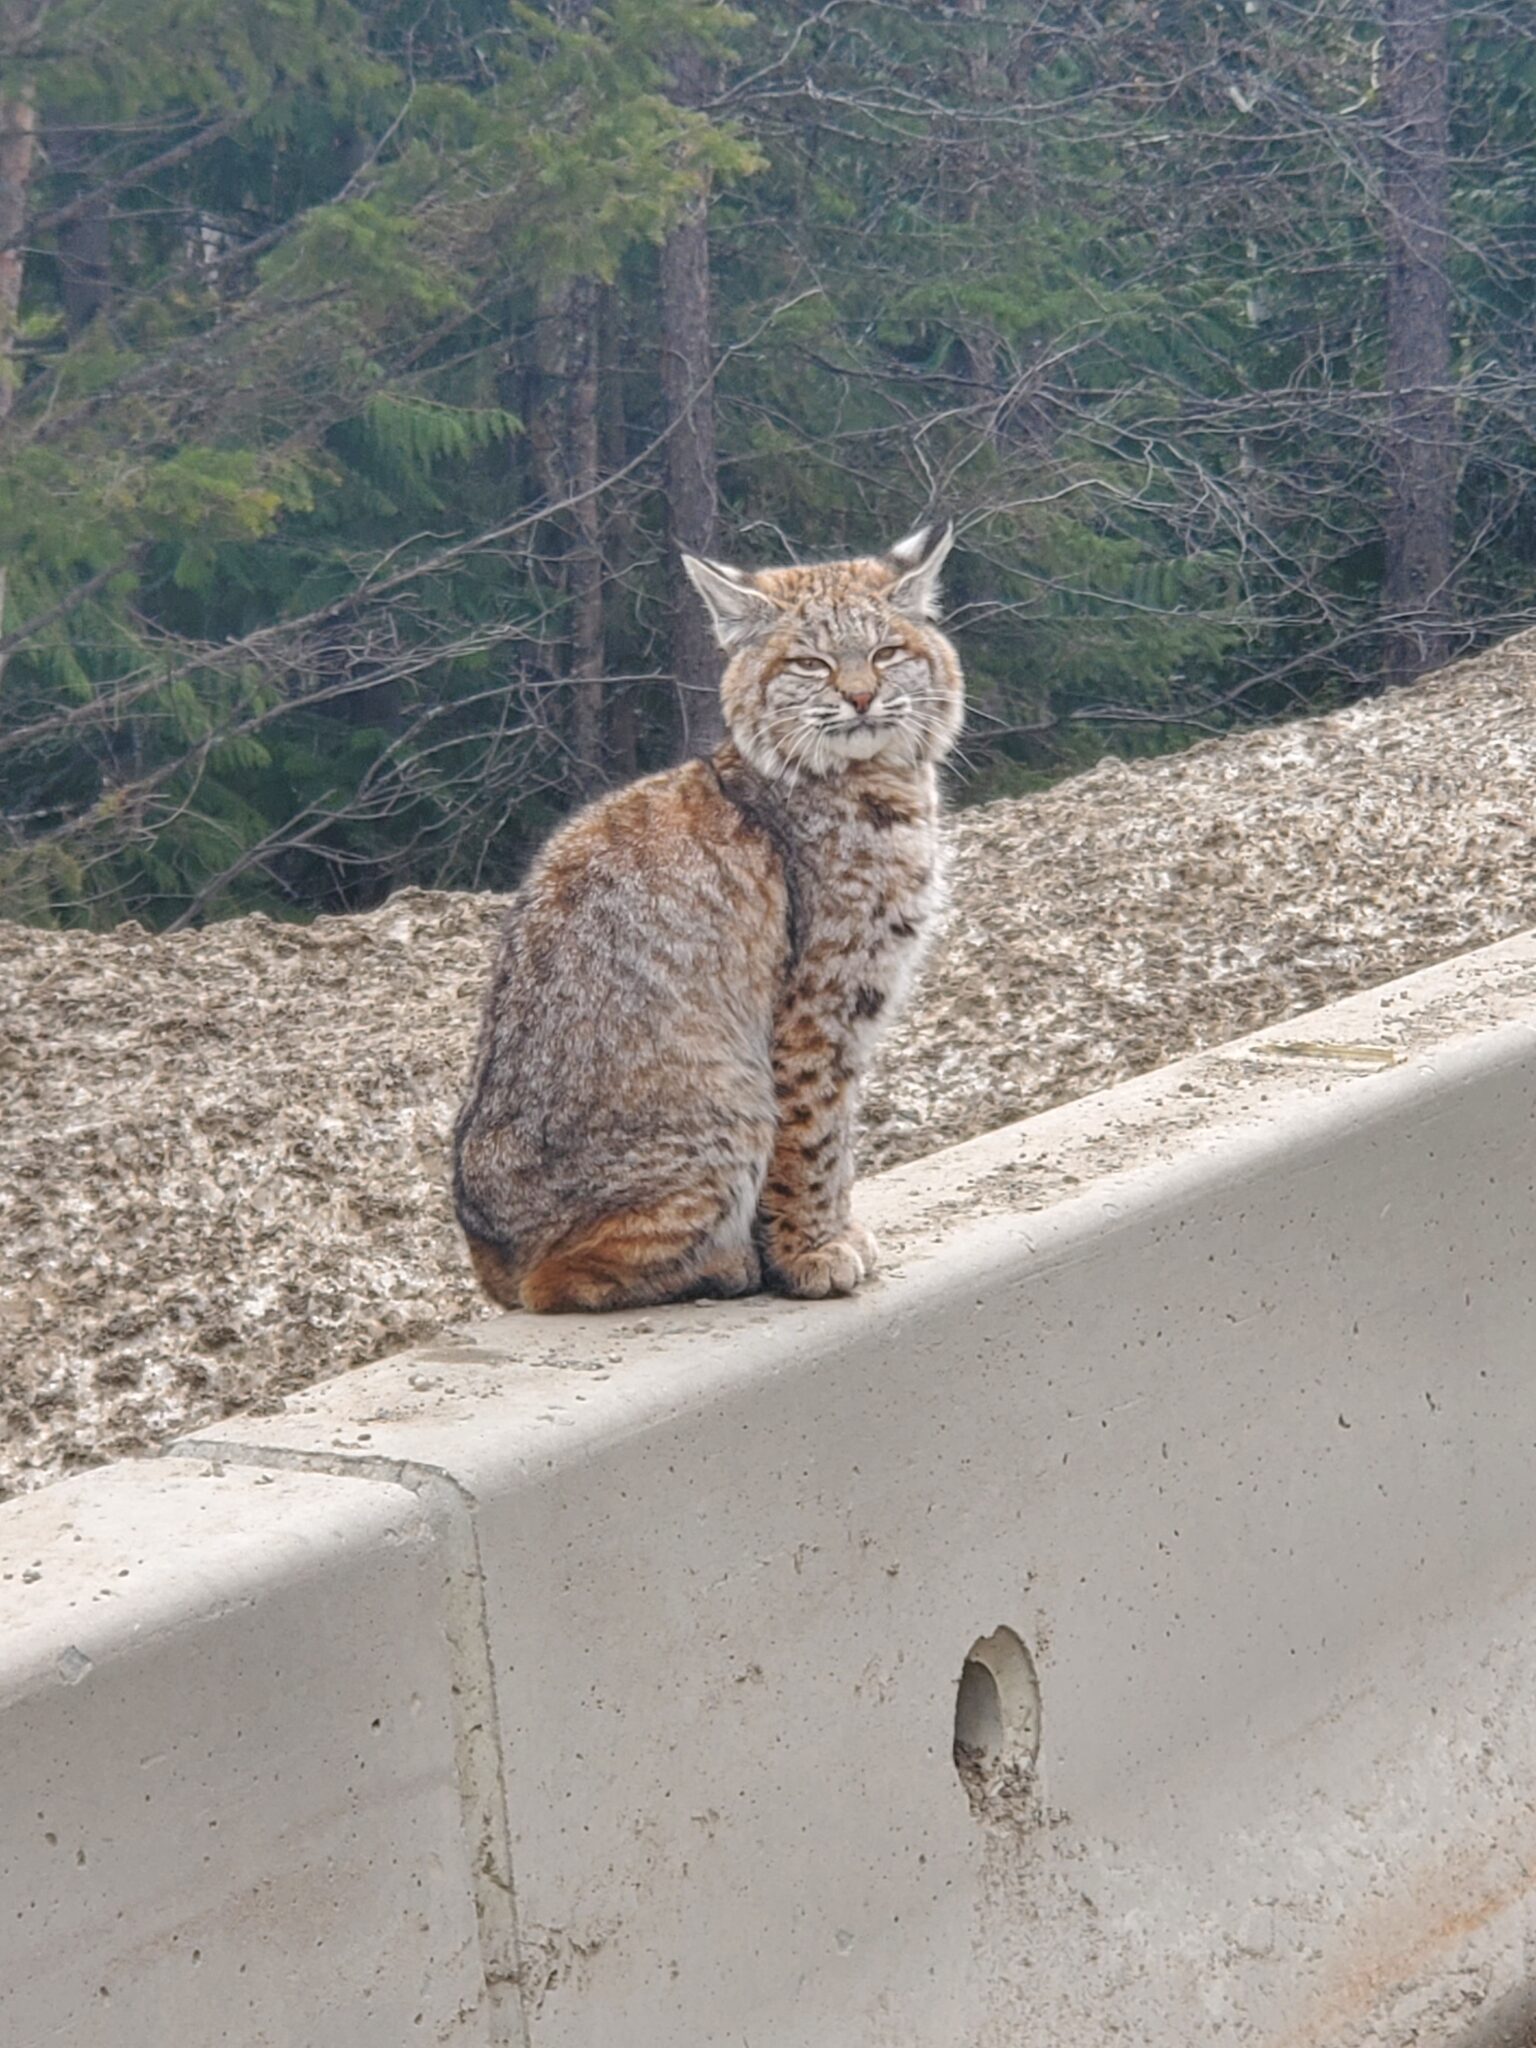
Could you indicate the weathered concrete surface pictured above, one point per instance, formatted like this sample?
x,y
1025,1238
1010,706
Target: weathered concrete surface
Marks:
x,y
1219,1390
229,1810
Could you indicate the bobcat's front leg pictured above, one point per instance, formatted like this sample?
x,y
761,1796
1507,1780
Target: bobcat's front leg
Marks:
x,y
810,1242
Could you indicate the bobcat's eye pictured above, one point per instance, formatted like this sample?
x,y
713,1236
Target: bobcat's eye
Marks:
x,y
809,665
883,656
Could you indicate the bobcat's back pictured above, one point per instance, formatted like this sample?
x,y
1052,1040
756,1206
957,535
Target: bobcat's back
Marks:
x,y
626,1040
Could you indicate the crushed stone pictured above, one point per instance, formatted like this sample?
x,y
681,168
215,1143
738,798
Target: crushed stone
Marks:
x,y
223,1153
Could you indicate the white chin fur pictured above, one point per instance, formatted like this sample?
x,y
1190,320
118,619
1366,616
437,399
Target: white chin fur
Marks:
x,y
859,742
832,750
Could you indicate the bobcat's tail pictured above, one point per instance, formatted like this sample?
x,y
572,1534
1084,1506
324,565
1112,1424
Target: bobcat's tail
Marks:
x,y
494,1270
496,1267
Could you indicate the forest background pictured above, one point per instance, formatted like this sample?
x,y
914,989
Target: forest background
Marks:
x,y
364,363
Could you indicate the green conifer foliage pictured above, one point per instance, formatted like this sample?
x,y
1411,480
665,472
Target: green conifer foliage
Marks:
x,y
333,423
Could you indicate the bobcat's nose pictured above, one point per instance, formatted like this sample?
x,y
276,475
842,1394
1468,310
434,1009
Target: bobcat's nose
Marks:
x,y
860,700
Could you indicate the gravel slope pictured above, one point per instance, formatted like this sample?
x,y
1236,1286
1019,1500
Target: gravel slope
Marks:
x,y
222,1154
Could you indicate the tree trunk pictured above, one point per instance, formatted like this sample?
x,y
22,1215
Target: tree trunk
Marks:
x,y
979,339
620,700
85,266
584,567
687,375
84,238
1421,455
546,398
18,157
18,154
564,434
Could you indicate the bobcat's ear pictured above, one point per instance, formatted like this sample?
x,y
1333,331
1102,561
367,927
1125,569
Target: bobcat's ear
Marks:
x,y
738,610
915,564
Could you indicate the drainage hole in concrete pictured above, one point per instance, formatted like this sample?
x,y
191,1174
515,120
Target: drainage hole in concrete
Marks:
x,y
997,1723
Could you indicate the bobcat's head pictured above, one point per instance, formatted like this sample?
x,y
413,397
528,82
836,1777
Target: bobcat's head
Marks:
x,y
836,662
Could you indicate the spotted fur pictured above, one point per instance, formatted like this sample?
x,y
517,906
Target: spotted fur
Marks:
x,y
696,971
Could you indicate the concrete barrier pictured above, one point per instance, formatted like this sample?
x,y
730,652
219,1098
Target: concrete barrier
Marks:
x,y
229,1795
1182,1463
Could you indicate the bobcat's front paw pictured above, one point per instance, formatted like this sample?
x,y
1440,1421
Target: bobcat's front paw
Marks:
x,y
866,1244
833,1268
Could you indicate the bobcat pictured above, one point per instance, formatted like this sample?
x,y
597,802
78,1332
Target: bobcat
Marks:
x,y
694,972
